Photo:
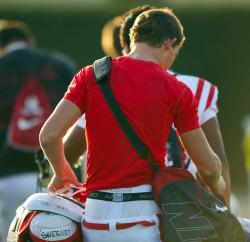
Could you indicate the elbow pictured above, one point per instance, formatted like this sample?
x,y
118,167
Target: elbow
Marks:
x,y
218,165
211,167
44,138
216,168
47,138
212,173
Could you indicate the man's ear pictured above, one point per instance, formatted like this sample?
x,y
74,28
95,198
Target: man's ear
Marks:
x,y
126,50
169,42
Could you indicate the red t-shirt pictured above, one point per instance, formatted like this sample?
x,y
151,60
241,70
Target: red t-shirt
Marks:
x,y
151,99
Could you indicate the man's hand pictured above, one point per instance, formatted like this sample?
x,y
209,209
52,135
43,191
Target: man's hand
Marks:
x,y
68,179
221,186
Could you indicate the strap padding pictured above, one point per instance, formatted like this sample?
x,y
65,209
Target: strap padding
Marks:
x,y
101,68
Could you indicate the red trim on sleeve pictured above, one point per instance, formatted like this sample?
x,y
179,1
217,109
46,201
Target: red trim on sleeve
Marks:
x,y
210,96
199,90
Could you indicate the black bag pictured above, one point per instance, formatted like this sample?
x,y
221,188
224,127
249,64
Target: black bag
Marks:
x,y
190,212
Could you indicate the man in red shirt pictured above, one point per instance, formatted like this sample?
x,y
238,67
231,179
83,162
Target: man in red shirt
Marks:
x,y
206,95
152,100
32,82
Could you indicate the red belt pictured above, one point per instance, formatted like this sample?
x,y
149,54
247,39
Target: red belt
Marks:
x,y
97,226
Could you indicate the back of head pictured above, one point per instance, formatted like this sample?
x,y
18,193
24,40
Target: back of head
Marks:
x,y
110,37
13,31
154,26
128,22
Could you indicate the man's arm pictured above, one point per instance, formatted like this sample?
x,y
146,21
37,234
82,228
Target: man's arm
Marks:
x,y
212,132
51,140
207,162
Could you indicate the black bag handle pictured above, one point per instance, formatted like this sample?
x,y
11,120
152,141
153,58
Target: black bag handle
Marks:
x,y
101,69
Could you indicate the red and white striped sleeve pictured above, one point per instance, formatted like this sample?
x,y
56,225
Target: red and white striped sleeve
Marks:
x,y
206,95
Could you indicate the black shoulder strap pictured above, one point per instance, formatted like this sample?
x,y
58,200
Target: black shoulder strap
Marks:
x,y
101,69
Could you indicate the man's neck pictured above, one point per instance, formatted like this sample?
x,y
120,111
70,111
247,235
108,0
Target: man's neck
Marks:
x,y
142,51
15,46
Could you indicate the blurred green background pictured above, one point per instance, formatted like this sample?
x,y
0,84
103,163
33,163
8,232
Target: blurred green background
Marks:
x,y
217,48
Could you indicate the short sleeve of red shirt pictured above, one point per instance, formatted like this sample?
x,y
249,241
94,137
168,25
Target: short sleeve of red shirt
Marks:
x,y
186,118
76,92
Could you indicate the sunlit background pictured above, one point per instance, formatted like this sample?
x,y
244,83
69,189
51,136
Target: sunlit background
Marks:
x,y
217,48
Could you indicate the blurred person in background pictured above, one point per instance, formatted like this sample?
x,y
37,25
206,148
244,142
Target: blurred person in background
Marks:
x,y
113,164
32,81
111,42
246,150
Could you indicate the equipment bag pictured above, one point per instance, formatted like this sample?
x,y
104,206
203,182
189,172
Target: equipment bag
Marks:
x,y
50,217
190,212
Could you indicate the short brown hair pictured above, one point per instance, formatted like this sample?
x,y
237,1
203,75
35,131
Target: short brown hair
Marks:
x,y
155,26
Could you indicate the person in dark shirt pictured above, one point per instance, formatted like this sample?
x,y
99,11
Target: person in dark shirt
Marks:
x,y
23,64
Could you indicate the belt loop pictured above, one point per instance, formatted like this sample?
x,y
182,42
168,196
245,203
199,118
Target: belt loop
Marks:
x,y
112,226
